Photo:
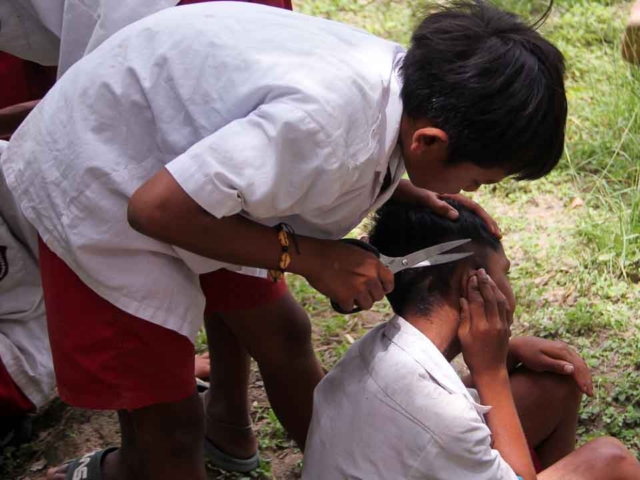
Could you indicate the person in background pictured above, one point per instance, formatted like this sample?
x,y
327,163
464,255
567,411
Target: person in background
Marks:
x,y
631,36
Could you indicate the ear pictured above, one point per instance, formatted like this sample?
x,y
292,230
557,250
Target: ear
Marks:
x,y
430,140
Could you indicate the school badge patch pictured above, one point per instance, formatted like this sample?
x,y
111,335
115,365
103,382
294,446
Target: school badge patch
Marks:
x,y
4,264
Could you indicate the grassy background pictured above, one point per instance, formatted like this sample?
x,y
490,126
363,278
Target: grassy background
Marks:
x,y
573,237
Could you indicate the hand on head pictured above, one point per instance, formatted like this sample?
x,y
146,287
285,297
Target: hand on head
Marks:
x,y
485,324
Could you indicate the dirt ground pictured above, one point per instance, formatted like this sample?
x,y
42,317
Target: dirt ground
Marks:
x,y
61,433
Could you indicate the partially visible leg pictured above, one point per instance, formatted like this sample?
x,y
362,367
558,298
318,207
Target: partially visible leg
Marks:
x,y
108,359
548,406
601,459
249,314
631,37
227,400
202,366
278,336
160,442
169,440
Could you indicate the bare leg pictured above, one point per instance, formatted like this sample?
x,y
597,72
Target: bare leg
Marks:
x,y
631,37
163,442
202,366
548,406
227,404
278,336
602,459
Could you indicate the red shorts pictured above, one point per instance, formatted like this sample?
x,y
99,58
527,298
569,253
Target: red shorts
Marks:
x,y
107,359
12,401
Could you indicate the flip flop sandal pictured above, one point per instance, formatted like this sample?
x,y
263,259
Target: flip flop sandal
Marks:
x,y
221,460
224,461
16,431
88,467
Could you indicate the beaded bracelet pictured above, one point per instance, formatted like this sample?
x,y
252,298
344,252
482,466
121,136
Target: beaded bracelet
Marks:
x,y
284,230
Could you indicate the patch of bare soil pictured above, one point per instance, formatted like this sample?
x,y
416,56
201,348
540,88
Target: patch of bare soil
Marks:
x,y
61,433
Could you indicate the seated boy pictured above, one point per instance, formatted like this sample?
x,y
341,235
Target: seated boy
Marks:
x,y
394,407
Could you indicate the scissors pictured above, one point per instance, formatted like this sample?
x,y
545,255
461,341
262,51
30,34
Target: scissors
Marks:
x,y
426,257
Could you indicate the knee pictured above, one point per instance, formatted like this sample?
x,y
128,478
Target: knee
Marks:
x,y
612,453
560,389
289,341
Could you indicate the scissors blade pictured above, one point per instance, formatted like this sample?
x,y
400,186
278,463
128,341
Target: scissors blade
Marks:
x,y
446,258
400,263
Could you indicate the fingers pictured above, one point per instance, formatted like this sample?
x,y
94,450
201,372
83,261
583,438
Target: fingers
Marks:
x,y
564,360
490,303
492,225
364,300
581,373
504,312
476,302
443,209
386,279
465,320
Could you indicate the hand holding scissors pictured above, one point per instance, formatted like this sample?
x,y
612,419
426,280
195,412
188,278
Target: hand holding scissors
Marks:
x,y
422,258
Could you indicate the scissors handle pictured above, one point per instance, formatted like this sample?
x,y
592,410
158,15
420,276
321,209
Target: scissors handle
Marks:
x,y
365,246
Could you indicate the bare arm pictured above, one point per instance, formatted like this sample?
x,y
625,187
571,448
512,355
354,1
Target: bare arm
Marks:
x,y
161,209
484,335
11,117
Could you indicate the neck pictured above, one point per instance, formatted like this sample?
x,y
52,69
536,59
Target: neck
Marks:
x,y
441,327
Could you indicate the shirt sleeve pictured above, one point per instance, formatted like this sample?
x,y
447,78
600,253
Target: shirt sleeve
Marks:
x,y
274,162
461,446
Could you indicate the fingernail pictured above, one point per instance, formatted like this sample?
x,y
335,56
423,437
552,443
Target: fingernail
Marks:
x,y
568,369
482,273
474,281
452,215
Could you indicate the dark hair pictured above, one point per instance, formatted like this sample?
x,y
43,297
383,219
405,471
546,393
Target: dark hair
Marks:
x,y
492,83
400,229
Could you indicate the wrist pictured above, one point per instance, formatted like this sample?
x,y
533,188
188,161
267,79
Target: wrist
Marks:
x,y
489,377
305,263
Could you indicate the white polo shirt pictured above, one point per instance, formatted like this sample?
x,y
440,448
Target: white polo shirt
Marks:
x,y
61,32
394,408
254,110
24,343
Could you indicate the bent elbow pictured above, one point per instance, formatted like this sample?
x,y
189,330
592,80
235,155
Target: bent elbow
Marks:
x,y
140,214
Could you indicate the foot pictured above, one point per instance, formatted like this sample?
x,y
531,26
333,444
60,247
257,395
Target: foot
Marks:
x,y
233,438
202,366
110,469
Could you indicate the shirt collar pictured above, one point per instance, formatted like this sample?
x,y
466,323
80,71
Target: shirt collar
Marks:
x,y
419,347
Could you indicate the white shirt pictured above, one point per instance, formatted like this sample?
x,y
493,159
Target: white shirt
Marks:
x,y
254,110
394,408
24,343
61,32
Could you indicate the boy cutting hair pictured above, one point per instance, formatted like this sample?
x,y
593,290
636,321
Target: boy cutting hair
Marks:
x,y
394,407
187,136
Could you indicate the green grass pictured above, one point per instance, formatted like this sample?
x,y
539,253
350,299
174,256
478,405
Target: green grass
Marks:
x,y
574,237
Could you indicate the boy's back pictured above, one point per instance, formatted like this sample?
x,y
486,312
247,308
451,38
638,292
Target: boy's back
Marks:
x,y
291,118
394,408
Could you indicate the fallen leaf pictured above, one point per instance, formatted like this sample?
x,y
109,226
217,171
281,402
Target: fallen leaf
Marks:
x,y
39,465
577,202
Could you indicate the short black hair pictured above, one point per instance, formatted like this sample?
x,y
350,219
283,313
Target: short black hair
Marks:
x,y
400,229
492,83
